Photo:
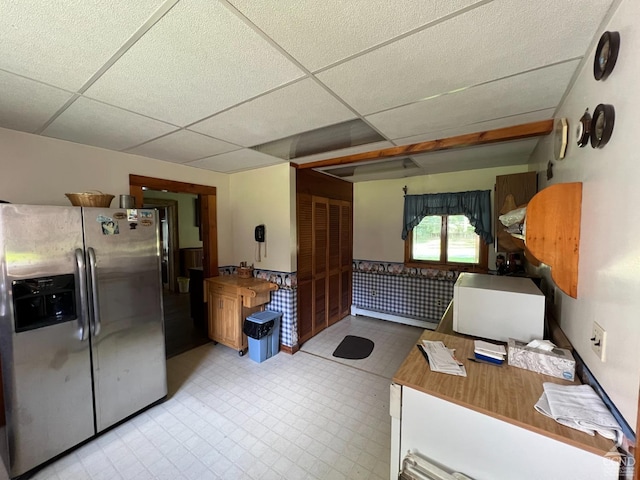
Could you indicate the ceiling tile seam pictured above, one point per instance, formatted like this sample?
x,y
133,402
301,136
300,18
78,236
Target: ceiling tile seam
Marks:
x,y
586,58
292,59
404,35
462,89
178,129
70,92
255,97
130,42
144,28
58,112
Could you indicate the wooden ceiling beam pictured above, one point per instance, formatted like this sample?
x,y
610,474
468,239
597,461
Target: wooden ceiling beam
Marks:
x,y
516,132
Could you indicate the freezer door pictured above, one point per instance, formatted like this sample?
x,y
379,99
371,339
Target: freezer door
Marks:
x,y
123,259
46,368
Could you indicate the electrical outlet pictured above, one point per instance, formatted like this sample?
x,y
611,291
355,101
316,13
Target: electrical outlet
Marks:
x,y
440,302
598,340
373,293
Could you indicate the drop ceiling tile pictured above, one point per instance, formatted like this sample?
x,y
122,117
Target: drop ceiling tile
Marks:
x,y
320,33
27,105
502,122
343,152
528,92
94,123
236,161
485,156
65,43
496,40
182,146
197,60
293,109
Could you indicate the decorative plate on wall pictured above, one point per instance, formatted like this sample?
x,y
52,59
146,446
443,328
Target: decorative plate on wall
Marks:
x,y
583,129
561,133
602,125
606,55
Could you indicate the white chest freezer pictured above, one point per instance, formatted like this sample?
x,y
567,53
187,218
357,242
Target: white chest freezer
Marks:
x,y
498,307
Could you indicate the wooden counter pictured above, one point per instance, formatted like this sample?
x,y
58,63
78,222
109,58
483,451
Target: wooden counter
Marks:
x,y
502,392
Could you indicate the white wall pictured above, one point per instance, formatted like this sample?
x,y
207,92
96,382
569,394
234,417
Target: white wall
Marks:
x,y
609,265
40,170
264,196
378,208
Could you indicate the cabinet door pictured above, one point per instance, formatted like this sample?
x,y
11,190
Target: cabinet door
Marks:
x,y
333,258
516,189
224,320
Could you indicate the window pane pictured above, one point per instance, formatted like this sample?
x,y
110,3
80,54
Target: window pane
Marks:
x,y
463,245
426,239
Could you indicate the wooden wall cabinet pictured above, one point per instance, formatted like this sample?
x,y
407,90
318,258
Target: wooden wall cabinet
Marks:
x,y
230,300
511,191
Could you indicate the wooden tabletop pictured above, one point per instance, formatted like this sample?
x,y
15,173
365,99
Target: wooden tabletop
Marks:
x,y
504,392
234,280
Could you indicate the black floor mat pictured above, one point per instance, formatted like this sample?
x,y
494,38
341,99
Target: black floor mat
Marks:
x,y
354,348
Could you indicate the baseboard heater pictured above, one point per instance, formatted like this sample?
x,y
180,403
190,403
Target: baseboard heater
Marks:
x,y
414,321
417,467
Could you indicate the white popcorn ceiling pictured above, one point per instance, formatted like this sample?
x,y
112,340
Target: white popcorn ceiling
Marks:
x,y
198,81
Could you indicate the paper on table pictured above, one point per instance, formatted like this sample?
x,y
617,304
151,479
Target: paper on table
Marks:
x,y
490,349
441,359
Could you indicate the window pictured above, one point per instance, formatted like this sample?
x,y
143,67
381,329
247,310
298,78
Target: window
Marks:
x,y
446,240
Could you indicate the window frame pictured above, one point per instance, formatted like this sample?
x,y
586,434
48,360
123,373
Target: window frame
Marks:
x,y
480,267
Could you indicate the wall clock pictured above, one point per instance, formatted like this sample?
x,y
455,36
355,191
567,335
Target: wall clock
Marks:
x,y
561,132
606,55
602,125
583,129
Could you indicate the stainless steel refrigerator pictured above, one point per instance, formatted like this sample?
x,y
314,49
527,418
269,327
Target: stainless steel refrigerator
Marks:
x,y
81,325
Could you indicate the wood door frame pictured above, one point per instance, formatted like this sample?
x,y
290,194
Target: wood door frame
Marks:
x,y
174,251
208,212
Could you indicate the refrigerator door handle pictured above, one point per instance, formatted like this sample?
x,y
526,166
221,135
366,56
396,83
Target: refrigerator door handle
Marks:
x,y
95,304
82,285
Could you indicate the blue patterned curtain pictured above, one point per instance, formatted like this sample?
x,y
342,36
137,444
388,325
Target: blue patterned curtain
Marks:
x,y
475,205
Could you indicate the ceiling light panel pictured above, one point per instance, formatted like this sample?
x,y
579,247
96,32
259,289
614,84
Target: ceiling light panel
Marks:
x,y
295,108
236,161
475,47
94,123
65,43
27,105
326,139
183,146
502,122
197,60
326,32
536,90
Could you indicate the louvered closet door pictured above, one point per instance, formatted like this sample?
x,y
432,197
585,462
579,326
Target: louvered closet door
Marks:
x,y
305,261
319,270
333,281
346,258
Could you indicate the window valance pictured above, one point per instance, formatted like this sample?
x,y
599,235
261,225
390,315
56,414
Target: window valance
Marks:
x,y
475,205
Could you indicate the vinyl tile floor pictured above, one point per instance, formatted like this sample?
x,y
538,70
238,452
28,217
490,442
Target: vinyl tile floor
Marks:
x,y
299,416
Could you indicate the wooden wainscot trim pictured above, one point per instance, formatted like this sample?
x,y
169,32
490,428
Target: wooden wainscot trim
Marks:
x,y
288,349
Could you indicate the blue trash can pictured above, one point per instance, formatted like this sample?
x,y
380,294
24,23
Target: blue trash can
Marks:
x,y
263,332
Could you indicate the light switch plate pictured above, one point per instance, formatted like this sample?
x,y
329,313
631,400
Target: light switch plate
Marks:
x,y
598,340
